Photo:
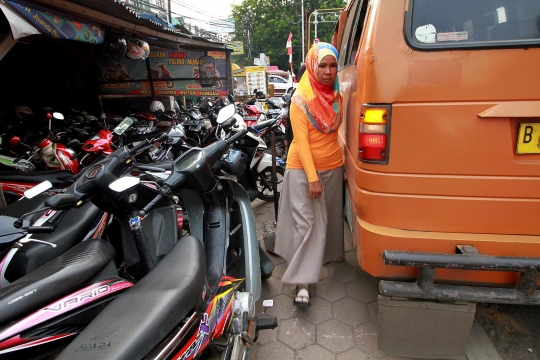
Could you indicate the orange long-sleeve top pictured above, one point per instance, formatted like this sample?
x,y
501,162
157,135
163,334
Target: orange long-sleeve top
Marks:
x,y
311,149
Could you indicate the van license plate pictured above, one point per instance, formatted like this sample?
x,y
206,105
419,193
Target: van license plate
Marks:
x,y
528,138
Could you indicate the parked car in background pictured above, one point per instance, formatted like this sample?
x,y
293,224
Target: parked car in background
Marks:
x,y
281,84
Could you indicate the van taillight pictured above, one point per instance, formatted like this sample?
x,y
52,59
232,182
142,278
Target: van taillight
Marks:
x,y
374,133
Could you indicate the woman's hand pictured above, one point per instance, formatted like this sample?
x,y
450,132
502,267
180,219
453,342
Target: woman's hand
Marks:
x,y
315,189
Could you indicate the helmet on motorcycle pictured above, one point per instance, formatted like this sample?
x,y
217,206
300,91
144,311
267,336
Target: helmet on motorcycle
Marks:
x,y
157,107
137,49
23,111
235,163
115,46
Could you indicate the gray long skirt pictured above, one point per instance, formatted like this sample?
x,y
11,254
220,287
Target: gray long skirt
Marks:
x,y
309,231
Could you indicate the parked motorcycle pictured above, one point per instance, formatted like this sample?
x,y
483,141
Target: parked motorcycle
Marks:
x,y
195,298
249,160
202,273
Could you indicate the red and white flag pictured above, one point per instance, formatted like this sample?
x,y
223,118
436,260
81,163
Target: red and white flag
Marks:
x,y
289,49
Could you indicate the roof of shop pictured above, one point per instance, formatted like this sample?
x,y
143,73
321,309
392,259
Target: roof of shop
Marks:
x,y
119,9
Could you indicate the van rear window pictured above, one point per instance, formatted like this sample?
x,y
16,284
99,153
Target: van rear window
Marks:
x,y
432,24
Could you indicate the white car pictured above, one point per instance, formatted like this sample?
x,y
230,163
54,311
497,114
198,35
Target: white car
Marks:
x,y
281,84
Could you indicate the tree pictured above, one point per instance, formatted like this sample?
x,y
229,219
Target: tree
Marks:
x,y
269,23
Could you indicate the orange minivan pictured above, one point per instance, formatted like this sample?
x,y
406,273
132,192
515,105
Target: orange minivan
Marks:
x,y
441,134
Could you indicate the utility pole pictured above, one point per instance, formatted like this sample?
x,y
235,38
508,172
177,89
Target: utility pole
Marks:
x,y
303,35
315,22
247,26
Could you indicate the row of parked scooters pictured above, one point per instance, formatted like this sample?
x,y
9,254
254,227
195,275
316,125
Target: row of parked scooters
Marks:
x,y
130,258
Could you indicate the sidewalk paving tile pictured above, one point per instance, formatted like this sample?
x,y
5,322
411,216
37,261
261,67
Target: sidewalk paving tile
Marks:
x,y
297,333
365,336
319,311
362,291
355,354
335,336
350,312
330,290
314,352
343,273
274,351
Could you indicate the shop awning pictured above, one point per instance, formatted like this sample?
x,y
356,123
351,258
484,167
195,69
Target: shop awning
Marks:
x,y
20,27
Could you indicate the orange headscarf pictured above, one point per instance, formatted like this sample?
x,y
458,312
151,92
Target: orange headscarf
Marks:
x,y
321,103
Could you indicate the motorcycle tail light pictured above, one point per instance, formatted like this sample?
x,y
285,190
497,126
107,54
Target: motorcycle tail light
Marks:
x,y
49,115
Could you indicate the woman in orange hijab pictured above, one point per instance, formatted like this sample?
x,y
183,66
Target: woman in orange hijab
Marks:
x,y
310,227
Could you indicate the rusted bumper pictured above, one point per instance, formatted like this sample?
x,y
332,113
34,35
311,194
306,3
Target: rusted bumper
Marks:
x,y
524,292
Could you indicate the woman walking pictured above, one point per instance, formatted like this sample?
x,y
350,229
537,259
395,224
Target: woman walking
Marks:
x,y
310,226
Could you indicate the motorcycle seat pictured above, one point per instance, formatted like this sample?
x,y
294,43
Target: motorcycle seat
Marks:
x,y
56,177
89,260
139,319
264,124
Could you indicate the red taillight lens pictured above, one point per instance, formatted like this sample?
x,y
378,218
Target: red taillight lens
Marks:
x,y
373,133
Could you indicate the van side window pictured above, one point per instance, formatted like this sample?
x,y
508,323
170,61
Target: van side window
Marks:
x,y
344,52
357,31
462,24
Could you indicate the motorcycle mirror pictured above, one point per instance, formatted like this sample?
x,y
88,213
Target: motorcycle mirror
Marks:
x,y
38,189
58,116
286,98
226,113
73,144
14,141
103,116
124,183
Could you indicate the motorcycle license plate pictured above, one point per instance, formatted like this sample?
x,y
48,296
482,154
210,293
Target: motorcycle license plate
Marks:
x,y
123,126
528,138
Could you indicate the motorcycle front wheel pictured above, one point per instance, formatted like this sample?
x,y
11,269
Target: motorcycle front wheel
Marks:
x,y
265,189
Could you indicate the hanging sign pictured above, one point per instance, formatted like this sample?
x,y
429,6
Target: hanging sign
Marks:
x,y
236,46
57,25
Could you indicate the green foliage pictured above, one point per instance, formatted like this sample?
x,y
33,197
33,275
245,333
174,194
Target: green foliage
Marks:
x,y
270,22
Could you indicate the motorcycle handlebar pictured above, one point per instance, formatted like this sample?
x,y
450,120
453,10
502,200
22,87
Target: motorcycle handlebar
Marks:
x,y
41,229
236,136
146,143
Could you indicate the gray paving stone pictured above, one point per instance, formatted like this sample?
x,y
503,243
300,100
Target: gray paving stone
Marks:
x,y
266,217
355,354
335,336
330,290
350,312
259,225
314,352
373,310
324,274
271,288
362,291
280,270
365,336
275,351
352,260
344,273
283,308
297,333
365,276
319,311
397,357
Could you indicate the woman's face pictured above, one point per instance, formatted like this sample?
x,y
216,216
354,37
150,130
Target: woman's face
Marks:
x,y
327,71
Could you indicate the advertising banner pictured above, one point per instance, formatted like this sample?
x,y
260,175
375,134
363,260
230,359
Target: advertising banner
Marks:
x,y
57,25
174,72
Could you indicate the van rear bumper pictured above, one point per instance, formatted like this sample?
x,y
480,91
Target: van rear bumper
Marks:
x,y
373,241
524,291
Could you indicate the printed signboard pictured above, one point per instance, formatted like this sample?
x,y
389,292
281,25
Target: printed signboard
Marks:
x,y
237,47
174,72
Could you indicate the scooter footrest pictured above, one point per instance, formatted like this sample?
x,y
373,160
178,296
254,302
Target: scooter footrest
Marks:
x,y
266,324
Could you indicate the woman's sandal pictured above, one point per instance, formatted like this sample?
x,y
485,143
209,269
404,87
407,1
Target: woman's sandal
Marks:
x,y
302,298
